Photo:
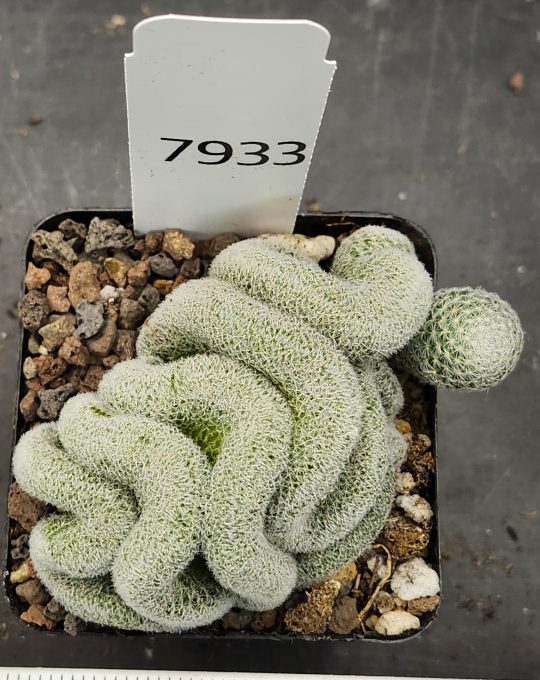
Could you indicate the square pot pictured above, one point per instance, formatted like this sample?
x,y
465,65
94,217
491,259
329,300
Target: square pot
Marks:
x,y
236,651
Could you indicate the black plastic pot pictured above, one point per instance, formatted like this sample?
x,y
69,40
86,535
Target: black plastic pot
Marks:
x,y
24,645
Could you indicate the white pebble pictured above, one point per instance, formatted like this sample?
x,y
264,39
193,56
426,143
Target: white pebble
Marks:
x,y
414,579
404,482
415,507
317,248
396,623
109,293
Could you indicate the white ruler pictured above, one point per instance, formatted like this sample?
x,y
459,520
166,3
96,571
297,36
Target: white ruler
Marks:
x,y
102,674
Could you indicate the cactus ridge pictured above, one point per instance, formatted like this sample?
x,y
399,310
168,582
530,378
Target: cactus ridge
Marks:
x,y
369,306
251,447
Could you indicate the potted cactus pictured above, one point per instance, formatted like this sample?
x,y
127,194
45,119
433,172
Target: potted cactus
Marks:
x,y
249,452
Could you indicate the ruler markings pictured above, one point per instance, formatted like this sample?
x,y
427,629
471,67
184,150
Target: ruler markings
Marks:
x,y
92,674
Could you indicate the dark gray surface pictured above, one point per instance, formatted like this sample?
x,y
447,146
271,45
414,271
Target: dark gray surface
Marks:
x,y
416,79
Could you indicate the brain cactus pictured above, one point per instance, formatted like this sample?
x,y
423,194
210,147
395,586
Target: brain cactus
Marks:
x,y
251,447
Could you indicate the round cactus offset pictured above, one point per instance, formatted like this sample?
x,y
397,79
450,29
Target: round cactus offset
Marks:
x,y
251,448
471,340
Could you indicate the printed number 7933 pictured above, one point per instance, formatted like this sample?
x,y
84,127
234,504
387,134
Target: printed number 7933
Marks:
x,y
223,152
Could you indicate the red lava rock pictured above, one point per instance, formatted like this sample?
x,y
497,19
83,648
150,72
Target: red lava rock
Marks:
x,y
139,274
263,620
49,368
36,615
36,277
74,352
58,299
105,280
125,345
191,269
34,385
58,275
153,241
140,248
23,508
92,379
59,382
83,283
29,405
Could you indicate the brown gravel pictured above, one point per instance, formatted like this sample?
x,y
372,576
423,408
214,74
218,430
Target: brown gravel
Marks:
x,y
83,283
36,277
36,615
264,620
344,618
57,297
404,538
33,592
311,617
423,604
23,508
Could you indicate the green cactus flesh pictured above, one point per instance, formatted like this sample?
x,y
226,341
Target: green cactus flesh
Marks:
x,y
471,340
249,450
371,306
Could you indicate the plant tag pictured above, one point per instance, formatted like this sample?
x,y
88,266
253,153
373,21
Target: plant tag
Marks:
x,y
223,115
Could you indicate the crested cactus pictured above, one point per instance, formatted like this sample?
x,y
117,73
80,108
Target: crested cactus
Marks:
x,y
251,447
471,340
376,297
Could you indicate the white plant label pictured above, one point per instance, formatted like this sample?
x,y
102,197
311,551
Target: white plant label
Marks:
x,y
223,115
